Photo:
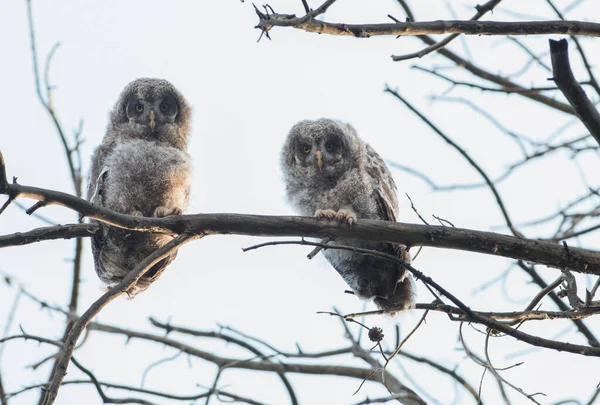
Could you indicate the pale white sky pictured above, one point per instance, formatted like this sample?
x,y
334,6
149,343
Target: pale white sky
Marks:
x,y
246,96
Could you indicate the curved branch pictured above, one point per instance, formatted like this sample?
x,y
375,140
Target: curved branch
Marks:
x,y
584,58
566,82
467,157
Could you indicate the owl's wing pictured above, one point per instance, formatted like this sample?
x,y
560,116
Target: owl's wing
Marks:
x,y
98,187
99,240
384,187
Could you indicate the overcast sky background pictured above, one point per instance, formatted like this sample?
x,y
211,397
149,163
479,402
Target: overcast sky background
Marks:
x,y
245,97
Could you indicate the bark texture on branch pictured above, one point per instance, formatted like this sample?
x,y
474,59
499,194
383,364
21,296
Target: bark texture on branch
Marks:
x,y
534,251
572,90
576,28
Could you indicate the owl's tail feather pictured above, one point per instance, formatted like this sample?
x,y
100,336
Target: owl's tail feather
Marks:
x,y
403,297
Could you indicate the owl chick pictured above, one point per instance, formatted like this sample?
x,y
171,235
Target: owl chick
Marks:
x,y
329,172
140,168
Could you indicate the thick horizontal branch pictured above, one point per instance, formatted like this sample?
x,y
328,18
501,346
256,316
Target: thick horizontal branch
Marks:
x,y
572,90
534,251
576,28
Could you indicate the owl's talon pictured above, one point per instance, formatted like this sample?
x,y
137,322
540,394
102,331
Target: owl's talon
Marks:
x,y
346,215
325,214
137,213
161,212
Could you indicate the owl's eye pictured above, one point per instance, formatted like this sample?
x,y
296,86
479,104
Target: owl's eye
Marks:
x,y
330,146
139,107
164,106
306,148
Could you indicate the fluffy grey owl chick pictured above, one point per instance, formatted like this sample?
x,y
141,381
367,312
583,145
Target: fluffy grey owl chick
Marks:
x,y
140,168
329,172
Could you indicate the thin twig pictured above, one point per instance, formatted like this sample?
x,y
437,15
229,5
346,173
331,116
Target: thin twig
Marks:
x,y
481,11
464,153
499,377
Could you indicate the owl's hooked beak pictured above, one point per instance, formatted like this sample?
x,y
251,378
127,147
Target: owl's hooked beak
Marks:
x,y
319,159
152,122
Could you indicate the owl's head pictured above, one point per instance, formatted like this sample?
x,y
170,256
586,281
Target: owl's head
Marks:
x,y
152,109
323,149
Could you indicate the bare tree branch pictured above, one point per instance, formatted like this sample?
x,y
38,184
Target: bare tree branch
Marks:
x,y
343,371
72,154
471,315
481,11
49,233
564,79
452,373
409,28
165,395
535,251
581,326
486,75
85,319
46,101
467,157
584,58
230,339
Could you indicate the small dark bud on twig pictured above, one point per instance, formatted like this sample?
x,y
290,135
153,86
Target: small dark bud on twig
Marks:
x,y
376,334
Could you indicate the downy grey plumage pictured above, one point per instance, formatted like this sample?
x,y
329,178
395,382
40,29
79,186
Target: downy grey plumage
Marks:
x,y
140,168
329,172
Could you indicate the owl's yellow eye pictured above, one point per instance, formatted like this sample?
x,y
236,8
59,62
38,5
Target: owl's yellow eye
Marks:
x,y
306,148
164,107
139,107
